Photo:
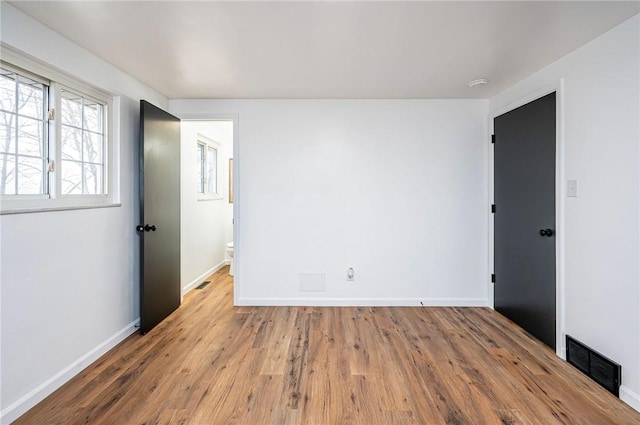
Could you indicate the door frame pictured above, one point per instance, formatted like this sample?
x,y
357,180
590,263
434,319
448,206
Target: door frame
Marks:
x,y
234,117
557,87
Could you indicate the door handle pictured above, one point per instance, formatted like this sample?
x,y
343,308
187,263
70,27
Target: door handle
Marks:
x,y
146,228
546,232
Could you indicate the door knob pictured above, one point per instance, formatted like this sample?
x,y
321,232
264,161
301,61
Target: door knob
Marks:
x,y
546,232
146,228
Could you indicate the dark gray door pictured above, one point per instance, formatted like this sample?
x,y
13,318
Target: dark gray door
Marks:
x,y
525,257
160,215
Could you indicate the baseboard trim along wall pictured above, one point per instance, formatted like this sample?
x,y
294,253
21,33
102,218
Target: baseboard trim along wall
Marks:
x,y
365,302
198,280
35,396
630,397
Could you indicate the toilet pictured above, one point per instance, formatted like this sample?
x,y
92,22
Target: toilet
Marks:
x,y
230,254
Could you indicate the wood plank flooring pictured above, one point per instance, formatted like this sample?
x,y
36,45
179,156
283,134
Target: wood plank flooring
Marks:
x,y
211,363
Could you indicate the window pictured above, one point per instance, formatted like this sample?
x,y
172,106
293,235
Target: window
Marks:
x,y
207,164
83,144
23,135
54,144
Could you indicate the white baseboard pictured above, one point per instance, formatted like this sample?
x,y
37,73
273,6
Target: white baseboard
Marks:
x,y
35,396
365,302
198,280
630,397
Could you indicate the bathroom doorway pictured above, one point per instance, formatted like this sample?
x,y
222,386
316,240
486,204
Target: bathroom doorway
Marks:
x,y
207,200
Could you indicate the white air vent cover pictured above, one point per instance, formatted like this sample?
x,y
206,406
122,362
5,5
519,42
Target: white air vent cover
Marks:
x,y
312,282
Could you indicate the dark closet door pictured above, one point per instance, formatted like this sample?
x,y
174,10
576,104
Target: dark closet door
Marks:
x,y
160,215
525,256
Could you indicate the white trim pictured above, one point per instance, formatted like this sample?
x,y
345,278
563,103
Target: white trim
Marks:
x,y
490,200
35,396
365,302
23,72
235,119
67,202
560,220
557,87
630,397
198,280
47,209
42,69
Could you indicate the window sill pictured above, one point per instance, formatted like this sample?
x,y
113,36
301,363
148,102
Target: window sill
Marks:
x,y
40,209
210,198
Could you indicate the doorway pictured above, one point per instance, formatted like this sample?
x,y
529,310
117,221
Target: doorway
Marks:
x,y
525,217
207,198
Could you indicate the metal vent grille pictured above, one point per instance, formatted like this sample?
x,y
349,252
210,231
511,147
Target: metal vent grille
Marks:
x,y
604,371
203,284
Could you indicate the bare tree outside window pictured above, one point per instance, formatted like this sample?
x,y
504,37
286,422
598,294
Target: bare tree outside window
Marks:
x,y
83,145
23,148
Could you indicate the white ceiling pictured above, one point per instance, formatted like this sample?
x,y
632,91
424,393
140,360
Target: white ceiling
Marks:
x,y
322,49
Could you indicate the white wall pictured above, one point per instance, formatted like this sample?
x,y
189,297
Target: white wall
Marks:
x,y
395,189
206,225
602,229
69,279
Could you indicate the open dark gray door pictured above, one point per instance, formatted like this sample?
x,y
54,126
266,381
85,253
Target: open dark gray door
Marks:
x,y
159,227
524,221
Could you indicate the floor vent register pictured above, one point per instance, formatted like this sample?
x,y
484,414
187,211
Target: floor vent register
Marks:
x,y
601,369
203,284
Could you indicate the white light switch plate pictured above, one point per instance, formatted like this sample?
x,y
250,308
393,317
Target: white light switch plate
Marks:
x,y
572,188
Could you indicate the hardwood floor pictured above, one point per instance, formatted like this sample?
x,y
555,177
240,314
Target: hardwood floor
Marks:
x,y
212,363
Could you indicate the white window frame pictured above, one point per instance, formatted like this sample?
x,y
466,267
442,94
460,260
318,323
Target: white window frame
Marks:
x,y
57,89
202,140
55,200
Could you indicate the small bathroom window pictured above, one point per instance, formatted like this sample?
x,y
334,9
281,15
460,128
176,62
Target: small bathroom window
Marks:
x,y
208,168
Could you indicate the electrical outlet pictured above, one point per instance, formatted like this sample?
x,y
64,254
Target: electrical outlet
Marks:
x,y
350,274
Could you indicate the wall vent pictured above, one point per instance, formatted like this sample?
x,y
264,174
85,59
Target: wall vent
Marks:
x,y
604,371
311,282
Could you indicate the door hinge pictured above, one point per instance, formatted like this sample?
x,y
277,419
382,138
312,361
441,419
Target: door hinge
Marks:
x,y
493,138
493,278
493,208
52,114
52,166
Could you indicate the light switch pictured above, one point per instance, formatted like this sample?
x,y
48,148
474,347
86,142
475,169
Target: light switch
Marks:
x,y
572,188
